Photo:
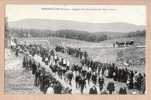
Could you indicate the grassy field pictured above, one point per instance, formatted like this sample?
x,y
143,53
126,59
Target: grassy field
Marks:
x,y
131,57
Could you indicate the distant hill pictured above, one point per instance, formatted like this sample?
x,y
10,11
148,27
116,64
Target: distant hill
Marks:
x,y
55,25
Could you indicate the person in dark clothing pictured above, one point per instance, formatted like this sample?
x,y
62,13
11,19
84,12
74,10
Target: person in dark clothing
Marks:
x,y
29,64
115,74
45,83
34,68
139,81
93,90
42,76
17,51
83,73
143,84
77,80
24,62
130,80
37,77
57,88
110,87
122,91
82,84
101,83
70,76
89,77
94,78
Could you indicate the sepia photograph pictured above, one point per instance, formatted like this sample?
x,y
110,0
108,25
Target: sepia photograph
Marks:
x,y
75,49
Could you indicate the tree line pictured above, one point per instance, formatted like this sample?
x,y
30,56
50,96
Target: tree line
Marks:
x,y
70,34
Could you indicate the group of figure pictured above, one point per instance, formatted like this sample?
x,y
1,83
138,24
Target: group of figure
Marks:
x,y
76,52
123,43
133,79
89,74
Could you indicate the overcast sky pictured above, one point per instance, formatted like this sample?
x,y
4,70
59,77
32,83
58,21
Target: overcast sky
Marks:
x,y
82,13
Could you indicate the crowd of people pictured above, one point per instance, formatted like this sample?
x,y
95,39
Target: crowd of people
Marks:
x,y
89,74
133,79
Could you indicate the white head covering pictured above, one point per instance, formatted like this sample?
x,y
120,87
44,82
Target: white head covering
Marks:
x,y
64,61
68,64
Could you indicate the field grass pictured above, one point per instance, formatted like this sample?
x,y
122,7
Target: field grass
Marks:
x,y
132,57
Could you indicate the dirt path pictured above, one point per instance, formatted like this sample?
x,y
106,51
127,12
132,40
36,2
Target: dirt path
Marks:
x,y
17,79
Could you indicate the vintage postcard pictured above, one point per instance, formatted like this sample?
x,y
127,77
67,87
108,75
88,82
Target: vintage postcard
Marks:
x,y
75,49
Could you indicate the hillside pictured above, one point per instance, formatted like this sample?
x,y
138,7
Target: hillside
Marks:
x,y
73,25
